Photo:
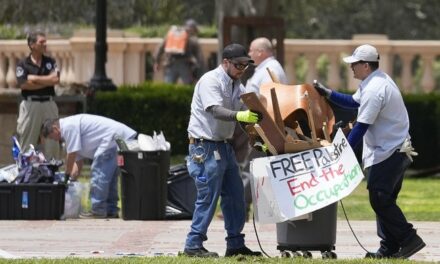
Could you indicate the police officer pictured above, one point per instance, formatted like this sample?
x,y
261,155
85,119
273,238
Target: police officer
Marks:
x,y
36,75
215,110
383,124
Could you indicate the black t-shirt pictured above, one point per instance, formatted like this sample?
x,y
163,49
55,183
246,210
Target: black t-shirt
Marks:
x,y
26,67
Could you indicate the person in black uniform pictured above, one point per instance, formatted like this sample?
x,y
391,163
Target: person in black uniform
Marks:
x,y
36,76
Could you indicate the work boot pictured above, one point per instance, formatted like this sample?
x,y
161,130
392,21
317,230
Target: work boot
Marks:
x,y
199,253
415,245
377,255
381,253
245,251
113,215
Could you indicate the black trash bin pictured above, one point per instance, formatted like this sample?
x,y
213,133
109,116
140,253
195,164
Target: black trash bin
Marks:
x,y
144,184
31,201
317,233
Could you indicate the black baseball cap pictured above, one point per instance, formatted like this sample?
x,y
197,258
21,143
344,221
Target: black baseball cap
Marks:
x,y
237,53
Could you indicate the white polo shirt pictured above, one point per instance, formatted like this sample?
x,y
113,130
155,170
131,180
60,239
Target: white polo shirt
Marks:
x,y
91,135
261,76
382,107
214,88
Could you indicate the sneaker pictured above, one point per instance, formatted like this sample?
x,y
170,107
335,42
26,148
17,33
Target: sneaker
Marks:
x,y
113,215
245,251
199,253
415,245
90,215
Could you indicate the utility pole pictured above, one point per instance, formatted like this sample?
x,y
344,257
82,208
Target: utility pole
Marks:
x,y
99,81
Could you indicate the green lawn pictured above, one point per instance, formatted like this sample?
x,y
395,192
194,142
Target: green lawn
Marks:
x,y
418,199
186,260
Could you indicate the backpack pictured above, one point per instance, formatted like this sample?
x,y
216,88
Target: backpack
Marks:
x,y
176,40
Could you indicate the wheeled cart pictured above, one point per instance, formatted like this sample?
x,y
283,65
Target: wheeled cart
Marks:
x,y
317,233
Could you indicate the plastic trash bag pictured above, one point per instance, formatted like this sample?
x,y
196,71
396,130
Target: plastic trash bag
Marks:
x,y
9,173
72,203
146,143
160,141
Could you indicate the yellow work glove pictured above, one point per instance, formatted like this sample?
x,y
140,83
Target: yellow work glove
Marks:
x,y
262,147
247,116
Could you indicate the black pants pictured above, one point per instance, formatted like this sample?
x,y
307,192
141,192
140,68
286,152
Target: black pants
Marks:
x,y
384,181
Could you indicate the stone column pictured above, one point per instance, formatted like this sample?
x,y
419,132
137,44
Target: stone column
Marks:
x,y
134,59
334,79
63,67
427,79
2,71
11,80
407,79
115,64
289,67
312,72
83,57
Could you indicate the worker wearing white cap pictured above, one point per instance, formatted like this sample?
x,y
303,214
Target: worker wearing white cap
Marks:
x,y
383,124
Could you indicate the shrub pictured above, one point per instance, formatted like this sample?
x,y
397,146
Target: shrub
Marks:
x,y
150,107
165,107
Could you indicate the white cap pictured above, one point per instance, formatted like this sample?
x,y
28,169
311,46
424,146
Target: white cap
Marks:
x,y
363,53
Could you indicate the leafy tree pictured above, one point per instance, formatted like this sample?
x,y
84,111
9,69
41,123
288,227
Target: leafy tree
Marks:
x,y
335,19
341,19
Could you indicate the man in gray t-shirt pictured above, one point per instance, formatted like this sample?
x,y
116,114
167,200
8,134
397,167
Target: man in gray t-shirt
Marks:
x,y
383,126
92,137
215,110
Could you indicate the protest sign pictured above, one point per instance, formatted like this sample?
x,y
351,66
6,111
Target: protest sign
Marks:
x,y
289,186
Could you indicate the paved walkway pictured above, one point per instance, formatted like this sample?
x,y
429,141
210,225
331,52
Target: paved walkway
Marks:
x,y
114,238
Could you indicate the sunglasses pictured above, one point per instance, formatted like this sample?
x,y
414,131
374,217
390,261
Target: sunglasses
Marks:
x,y
239,66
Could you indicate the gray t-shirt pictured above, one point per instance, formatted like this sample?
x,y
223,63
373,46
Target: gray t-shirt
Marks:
x,y
382,107
91,135
214,88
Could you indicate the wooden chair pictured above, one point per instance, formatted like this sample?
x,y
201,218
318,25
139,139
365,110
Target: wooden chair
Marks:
x,y
295,117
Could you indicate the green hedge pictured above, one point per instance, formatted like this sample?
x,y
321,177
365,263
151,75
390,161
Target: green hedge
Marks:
x,y
424,116
162,107
150,107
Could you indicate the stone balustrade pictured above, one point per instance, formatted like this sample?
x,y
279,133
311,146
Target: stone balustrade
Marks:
x,y
411,63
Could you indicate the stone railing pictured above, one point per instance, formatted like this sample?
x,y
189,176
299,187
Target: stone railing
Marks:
x,y
412,62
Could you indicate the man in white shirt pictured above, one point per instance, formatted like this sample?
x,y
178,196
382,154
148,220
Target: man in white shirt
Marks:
x,y
261,52
383,125
92,137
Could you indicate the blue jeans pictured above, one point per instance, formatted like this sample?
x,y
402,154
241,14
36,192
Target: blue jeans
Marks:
x,y
218,175
384,181
104,183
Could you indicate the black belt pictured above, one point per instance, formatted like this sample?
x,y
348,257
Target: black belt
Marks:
x,y
34,98
198,140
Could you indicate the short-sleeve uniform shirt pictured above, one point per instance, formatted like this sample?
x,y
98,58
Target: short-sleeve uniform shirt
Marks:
x,y
91,135
26,67
381,106
214,88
